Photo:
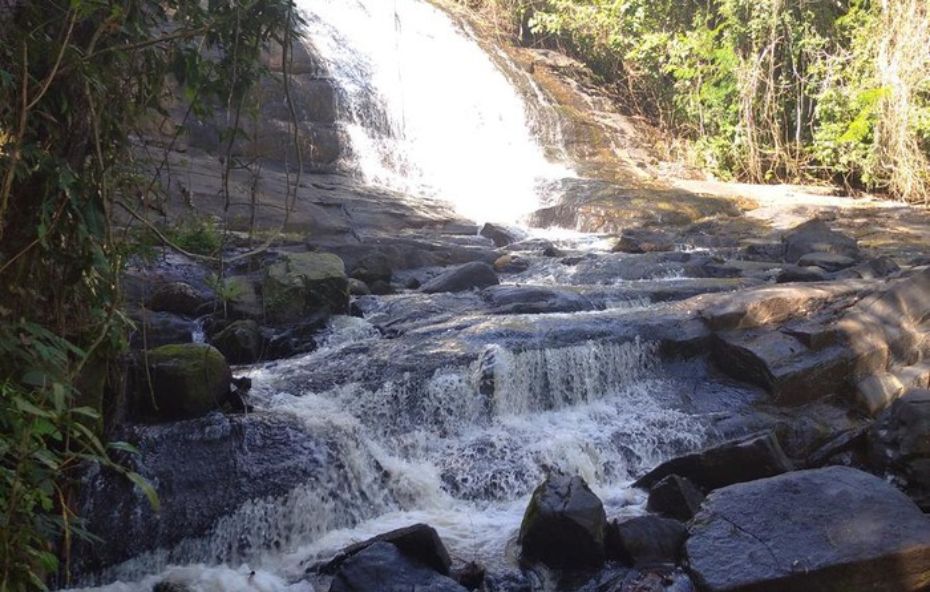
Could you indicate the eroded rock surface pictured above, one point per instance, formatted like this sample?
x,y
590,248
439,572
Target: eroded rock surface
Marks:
x,y
833,529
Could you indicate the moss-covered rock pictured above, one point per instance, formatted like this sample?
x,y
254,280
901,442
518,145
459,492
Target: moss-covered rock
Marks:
x,y
182,381
241,342
303,283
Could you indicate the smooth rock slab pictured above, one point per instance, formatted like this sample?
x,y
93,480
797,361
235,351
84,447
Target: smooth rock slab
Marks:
x,y
827,530
747,459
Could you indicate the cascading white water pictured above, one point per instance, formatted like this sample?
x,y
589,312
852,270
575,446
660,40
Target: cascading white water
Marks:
x,y
427,111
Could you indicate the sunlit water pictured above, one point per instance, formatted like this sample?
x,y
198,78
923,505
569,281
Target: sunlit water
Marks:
x,y
426,110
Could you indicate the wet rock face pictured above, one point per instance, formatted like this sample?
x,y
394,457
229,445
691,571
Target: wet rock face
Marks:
x,y
899,444
182,381
470,276
833,529
564,526
736,461
383,567
202,469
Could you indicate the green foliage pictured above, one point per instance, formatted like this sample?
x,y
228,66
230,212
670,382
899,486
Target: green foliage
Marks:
x,y
765,89
77,79
200,236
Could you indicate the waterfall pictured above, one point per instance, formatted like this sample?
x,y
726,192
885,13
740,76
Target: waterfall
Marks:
x,y
426,110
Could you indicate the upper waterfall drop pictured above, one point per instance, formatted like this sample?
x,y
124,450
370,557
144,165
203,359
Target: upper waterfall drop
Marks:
x,y
426,110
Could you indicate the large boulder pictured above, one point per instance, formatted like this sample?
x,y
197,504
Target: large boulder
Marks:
x,y
832,530
382,567
675,497
814,236
475,275
176,297
241,342
646,541
899,444
565,525
732,462
303,283
180,381
419,542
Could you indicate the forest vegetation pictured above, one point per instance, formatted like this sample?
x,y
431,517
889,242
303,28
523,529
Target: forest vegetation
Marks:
x,y
760,90
79,81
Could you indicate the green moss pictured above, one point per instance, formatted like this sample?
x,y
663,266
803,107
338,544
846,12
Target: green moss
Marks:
x,y
187,380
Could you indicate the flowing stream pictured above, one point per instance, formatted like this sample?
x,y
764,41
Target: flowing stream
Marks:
x,y
429,112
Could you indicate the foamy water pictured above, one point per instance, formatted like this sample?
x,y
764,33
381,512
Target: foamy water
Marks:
x,y
426,110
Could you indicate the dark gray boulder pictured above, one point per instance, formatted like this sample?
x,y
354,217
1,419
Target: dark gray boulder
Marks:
x,y
675,497
241,342
564,526
176,297
501,235
814,236
179,382
475,275
382,567
646,541
835,529
899,444
419,542
736,461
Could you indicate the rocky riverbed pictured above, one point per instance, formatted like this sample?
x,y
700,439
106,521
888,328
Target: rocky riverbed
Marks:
x,y
651,385
674,400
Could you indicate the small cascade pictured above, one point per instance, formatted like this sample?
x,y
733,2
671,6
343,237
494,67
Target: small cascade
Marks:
x,y
427,111
451,451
